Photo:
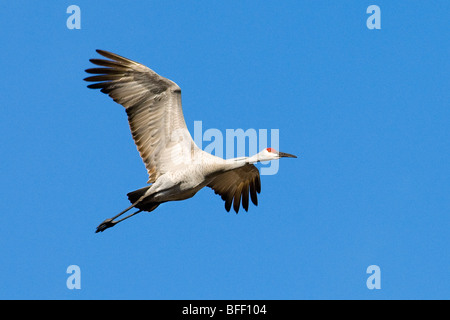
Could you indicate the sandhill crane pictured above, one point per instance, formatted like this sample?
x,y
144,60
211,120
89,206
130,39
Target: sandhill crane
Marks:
x,y
176,167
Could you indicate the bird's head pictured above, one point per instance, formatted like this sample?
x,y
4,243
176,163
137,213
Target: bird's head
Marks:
x,y
272,154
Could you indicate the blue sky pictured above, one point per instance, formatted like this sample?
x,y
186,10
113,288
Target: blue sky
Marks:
x,y
366,111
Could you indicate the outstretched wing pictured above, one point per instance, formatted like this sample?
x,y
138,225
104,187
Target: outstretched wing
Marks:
x,y
153,106
236,184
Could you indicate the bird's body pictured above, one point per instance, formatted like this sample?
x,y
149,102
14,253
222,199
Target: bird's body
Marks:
x,y
177,168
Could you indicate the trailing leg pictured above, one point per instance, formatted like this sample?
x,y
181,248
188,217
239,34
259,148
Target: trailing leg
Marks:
x,y
108,223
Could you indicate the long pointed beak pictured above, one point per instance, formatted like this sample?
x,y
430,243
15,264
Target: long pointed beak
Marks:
x,y
286,155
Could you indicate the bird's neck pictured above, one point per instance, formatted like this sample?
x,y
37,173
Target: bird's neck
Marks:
x,y
240,162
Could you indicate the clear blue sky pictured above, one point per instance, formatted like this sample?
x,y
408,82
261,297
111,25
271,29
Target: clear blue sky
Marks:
x,y
366,111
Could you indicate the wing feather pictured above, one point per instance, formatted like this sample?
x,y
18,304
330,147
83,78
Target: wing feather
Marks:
x,y
236,185
153,106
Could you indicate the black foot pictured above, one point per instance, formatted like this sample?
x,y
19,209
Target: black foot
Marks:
x,y
108,223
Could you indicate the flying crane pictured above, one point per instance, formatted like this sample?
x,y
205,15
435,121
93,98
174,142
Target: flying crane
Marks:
x,y
176,167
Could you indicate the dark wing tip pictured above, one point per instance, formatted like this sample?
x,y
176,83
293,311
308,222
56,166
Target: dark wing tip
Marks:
x,y
101,71
258,184
228,206
245,191
99,85
104,53
114,56
237,199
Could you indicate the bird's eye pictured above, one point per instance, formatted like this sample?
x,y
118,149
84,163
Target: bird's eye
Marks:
x,y
270,149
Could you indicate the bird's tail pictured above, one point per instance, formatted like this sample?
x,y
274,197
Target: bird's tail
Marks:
x,y
135,196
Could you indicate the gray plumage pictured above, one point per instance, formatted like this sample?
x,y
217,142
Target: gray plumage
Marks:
x,y
176,167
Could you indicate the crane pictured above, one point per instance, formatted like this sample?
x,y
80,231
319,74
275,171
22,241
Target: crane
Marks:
x,y
176,167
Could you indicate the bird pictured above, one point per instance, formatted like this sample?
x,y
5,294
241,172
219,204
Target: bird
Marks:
x,y
177,169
